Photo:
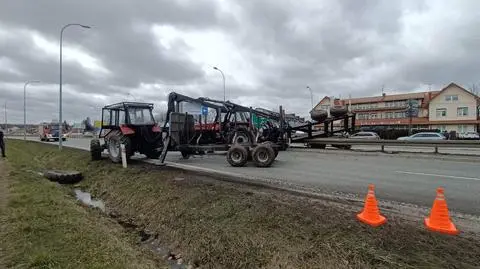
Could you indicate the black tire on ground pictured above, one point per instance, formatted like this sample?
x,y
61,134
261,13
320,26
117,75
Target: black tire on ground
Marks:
x,y
95,149
263,155
154,151
201,152
275,149
64,139
64,177
114,150
42,139
185,154
237,156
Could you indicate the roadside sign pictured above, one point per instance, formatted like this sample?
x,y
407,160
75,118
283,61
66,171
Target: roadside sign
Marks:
x,y
191,108
204,110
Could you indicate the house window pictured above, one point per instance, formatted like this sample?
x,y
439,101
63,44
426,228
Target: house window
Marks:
x,y
441,112
373,116
389,115
450,98
462,111
442,128
462,128
399,115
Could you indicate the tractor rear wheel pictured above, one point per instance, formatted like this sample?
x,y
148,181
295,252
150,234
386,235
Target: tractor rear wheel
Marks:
x,y
154,150
114,150
95,149
241,136
263,155
237,156
185,154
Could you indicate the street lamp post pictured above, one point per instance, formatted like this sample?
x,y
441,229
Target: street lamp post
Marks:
x,y
311,95
25,107
223,76
60,127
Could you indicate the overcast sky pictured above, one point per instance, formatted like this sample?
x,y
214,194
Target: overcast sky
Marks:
x,y
269,51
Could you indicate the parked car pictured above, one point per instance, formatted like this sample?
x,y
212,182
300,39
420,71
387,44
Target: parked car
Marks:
x,y
365,135
424,136
469,135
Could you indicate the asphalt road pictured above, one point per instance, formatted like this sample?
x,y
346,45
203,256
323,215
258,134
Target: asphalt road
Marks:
x,y
407,178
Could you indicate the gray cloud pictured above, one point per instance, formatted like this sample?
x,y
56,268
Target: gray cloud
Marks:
x,y
335,47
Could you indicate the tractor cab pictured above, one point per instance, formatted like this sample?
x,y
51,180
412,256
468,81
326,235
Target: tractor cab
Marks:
x,y
131,124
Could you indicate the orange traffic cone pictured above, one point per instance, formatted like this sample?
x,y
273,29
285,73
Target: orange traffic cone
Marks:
x,y
439,220
371,214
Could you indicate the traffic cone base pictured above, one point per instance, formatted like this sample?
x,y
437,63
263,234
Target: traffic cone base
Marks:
x,y
452,230
374,223
370,213
439,219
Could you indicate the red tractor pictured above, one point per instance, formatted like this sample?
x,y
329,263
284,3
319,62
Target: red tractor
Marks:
x,y
131,124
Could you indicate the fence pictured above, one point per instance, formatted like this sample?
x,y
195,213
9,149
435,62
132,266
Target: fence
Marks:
x,y
402,143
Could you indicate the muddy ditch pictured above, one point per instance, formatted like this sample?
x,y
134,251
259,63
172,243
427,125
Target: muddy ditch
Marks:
x,y
145,239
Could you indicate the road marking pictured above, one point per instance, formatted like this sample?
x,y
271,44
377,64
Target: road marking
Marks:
x,y
436,175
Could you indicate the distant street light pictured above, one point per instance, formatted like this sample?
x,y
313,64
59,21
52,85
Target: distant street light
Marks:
x,y
60,127
25,106
223,76
311,95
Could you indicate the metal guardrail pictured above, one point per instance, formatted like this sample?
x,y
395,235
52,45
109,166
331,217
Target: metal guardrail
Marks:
x,y
402,143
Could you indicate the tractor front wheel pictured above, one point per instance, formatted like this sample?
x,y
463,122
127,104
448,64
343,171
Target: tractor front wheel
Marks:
x,y
114,150
95,149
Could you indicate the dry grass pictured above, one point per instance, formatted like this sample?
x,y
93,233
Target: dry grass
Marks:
x,y
222,225
43,226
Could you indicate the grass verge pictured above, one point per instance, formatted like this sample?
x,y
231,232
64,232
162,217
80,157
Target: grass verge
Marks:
x,y
223,225
43,226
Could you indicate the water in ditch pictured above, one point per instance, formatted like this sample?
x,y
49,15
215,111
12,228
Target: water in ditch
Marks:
x,y
86,198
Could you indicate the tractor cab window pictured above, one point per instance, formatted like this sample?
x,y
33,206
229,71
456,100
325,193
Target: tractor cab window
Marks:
x,y
121,117
106,117
140,116
239,117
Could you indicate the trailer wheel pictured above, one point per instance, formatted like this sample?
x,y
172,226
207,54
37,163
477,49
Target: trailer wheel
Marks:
x,y
95,149
263,155
237,156
271,144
